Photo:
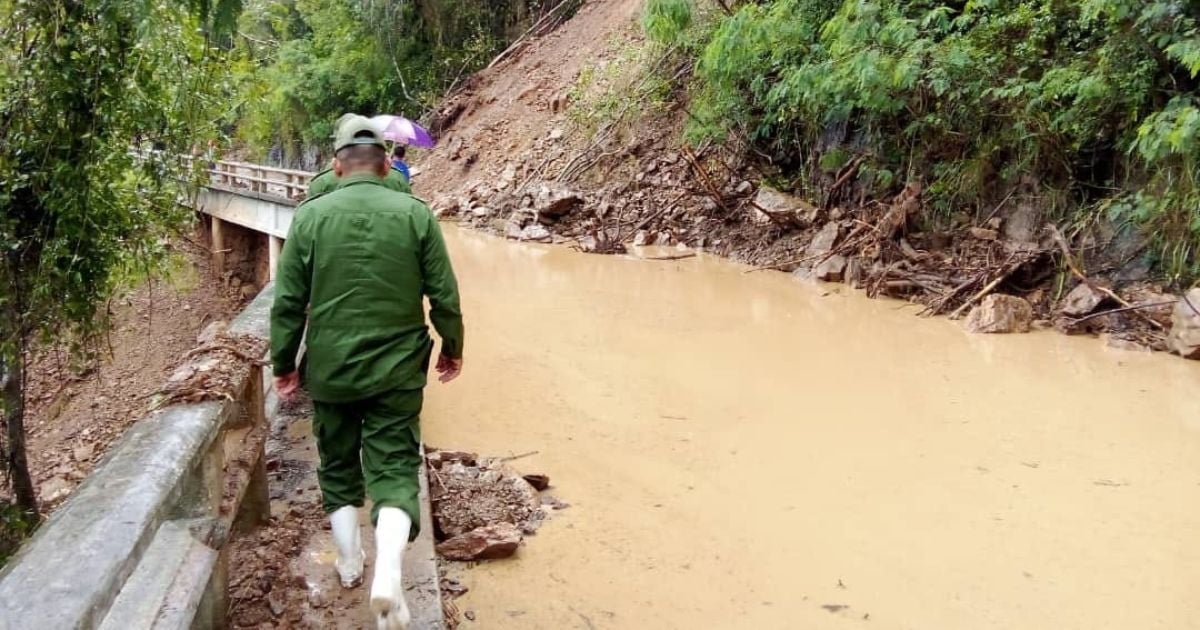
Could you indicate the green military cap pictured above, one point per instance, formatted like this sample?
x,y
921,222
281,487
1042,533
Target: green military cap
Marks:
x,y
353,130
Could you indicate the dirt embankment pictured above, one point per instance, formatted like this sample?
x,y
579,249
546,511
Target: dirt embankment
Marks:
x,y
78,410
517,158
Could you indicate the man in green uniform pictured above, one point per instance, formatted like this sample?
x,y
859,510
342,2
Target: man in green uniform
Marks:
x,y
327,181
361,259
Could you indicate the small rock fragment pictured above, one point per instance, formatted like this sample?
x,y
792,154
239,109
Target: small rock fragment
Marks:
x,y
535,232
84,452
483,543
1184,339
984,234
539,482
1083,299
824,241
772,205
275,601
211,332
1000,313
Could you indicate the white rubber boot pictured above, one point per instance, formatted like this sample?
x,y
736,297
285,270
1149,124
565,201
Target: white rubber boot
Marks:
x,y
387,590
346,539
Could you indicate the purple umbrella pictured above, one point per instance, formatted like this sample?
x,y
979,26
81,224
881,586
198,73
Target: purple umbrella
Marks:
x,y
404,131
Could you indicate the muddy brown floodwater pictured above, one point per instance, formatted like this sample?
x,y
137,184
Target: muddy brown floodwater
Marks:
x,y
750,451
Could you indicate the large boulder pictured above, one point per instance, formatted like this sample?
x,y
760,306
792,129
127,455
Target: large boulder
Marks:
x,y
824,241
774,206
1000,313
1082,300
535,232
554,201
1184,339
831,269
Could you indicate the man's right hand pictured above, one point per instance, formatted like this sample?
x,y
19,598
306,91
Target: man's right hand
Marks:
x,y
448,368
287,385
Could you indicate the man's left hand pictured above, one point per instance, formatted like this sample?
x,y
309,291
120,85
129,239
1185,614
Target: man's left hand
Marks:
x,y
287,385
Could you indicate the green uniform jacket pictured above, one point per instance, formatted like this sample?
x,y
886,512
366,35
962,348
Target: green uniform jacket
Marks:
x,y
327,181
361,259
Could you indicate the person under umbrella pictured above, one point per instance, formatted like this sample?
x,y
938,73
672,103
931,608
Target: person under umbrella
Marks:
x,y
398,163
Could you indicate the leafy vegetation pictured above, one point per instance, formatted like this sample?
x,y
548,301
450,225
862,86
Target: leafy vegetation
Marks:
x,y
81,82
306,62
1091,106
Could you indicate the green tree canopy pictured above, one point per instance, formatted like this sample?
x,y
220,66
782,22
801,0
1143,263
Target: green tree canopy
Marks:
x,y
82,82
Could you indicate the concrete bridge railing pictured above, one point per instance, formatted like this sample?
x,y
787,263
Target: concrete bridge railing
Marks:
x,y
140,543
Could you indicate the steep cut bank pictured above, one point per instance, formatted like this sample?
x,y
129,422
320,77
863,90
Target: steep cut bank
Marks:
x,y
77,411
576,138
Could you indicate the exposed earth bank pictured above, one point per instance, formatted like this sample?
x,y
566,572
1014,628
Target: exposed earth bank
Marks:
x,y
524,154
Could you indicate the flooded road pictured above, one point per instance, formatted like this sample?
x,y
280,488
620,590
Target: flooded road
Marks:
x,y
748,451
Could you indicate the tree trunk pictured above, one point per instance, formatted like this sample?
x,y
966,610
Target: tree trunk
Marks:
x,y
12,375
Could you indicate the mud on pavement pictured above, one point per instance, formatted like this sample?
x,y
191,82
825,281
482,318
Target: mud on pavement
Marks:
x,y
282,573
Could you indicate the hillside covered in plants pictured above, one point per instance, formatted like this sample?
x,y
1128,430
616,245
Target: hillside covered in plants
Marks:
x,y
1090,108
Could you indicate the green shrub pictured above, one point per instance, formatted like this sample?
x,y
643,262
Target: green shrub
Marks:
x,y
1088,102
667,21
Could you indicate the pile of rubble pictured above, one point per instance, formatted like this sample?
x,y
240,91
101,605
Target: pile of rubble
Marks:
x,y
482,508
997,273
214,370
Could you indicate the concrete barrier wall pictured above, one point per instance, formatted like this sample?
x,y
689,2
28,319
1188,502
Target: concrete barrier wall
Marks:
x,y
139,544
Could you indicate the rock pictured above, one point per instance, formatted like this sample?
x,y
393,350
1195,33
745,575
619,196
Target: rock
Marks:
x,y
1000,313
744,187
249,290
455,148
772,205
1121,343
554,201
824,241
556,133
853,274
831,269
1146,295
1184,339
448,205
509,175
559,102
211,332
641,238
275,601
483,543
984,234
539,482
555,503
513,230
535,232
54,489
84,452
481,212
1024,216
437,458
319,598
1083,299
491,476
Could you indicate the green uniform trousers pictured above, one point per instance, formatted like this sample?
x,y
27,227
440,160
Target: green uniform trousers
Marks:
x,y
386,431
